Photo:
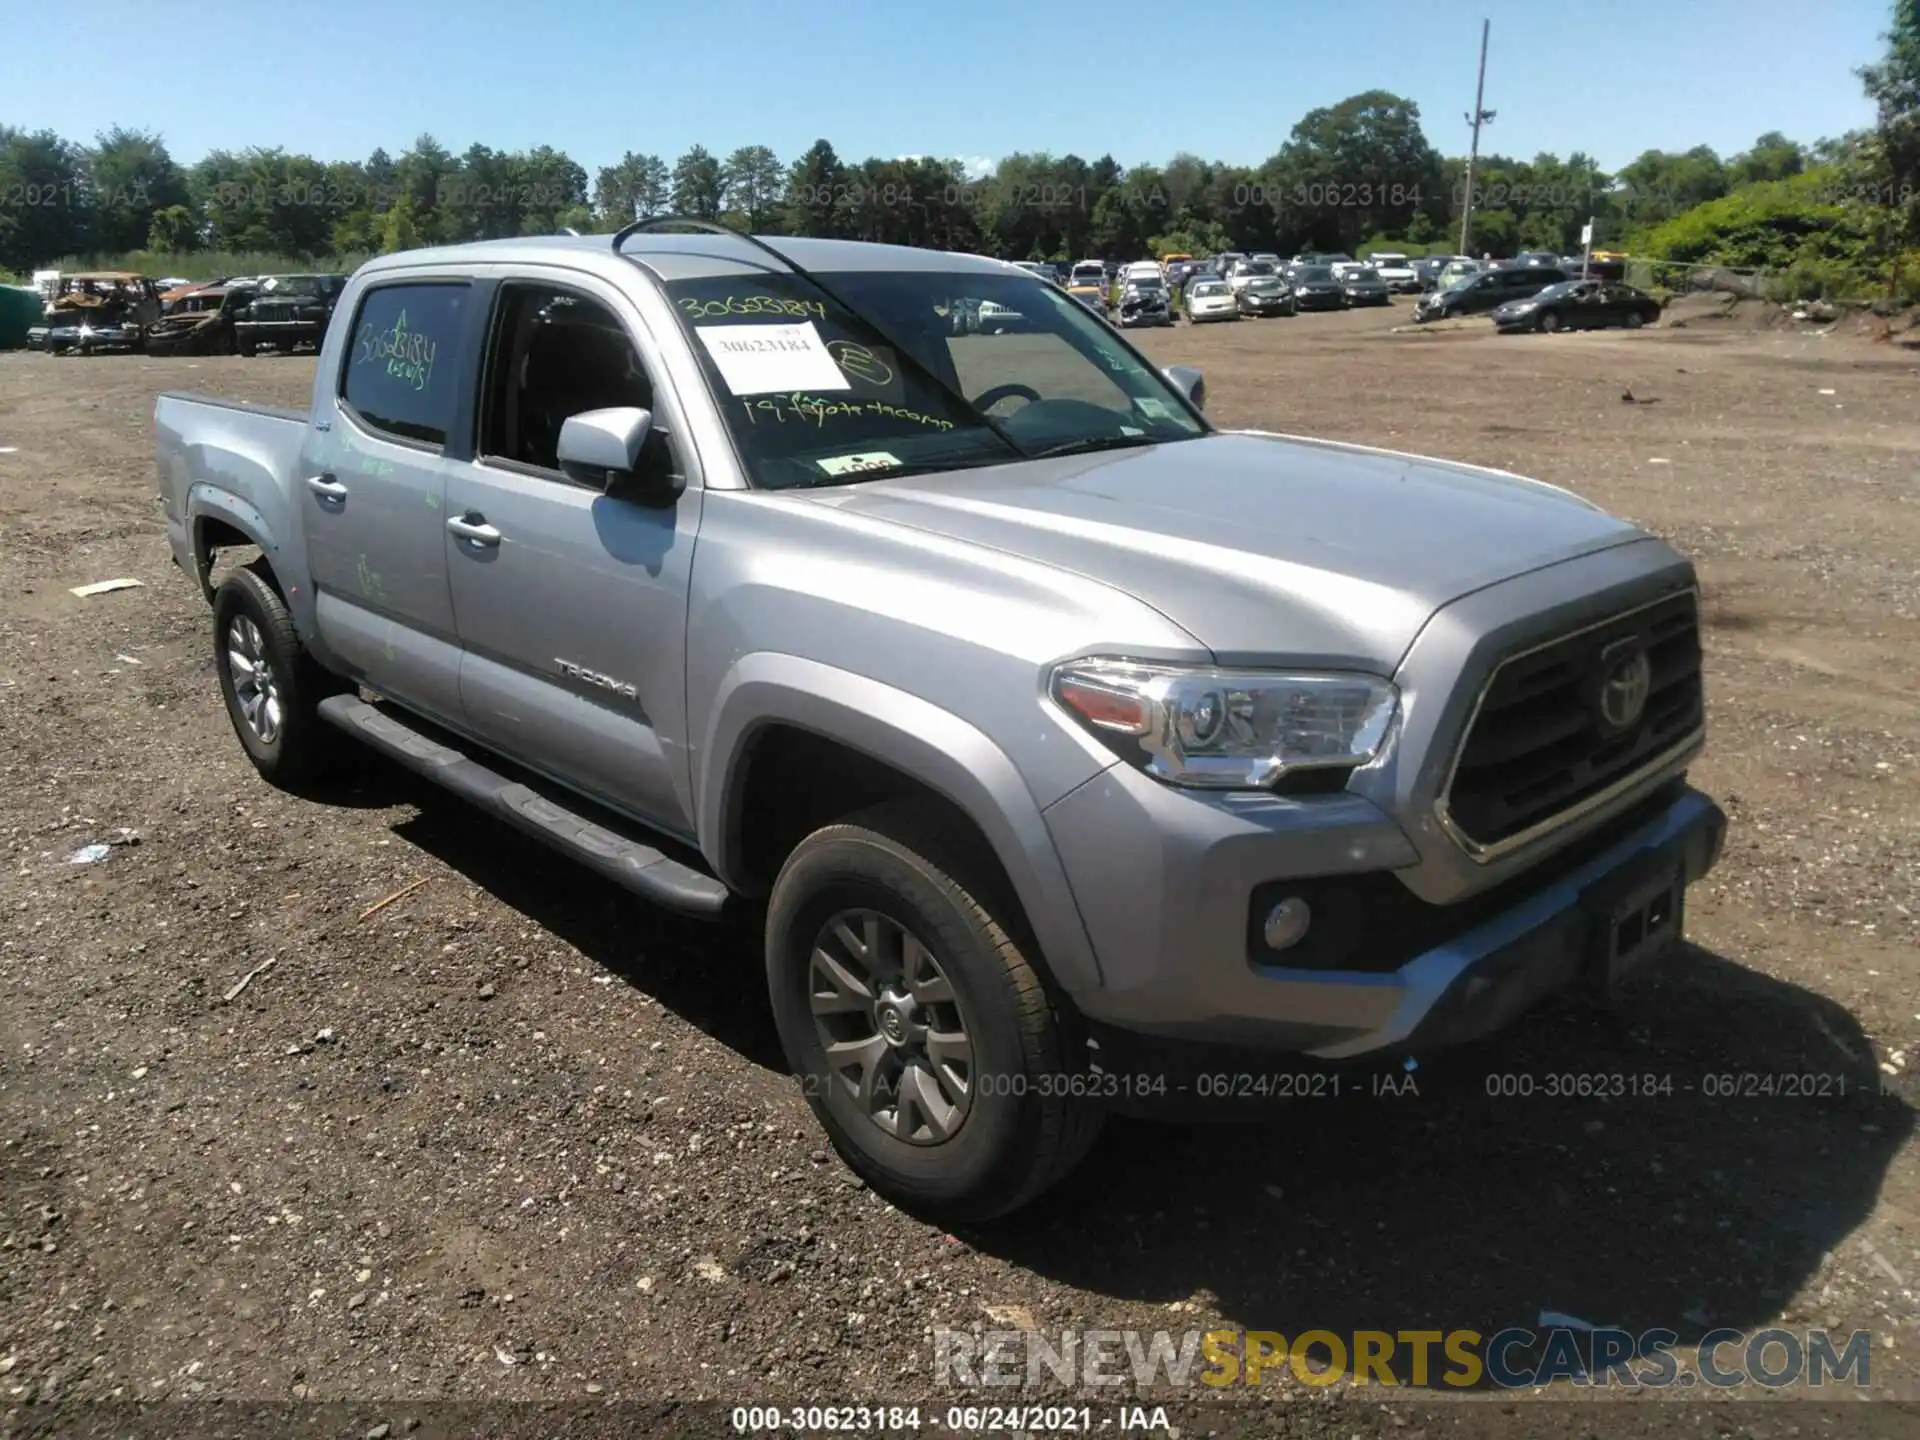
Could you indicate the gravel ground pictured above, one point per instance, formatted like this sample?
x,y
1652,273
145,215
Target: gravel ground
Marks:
x,y
514,1137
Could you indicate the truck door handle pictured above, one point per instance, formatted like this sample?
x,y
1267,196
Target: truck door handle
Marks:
x,y
326,487
473,527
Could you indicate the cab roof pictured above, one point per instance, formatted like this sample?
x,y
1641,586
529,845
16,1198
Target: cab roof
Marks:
x,y
677,256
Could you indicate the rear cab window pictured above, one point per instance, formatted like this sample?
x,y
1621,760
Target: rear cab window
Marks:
x,y
400,376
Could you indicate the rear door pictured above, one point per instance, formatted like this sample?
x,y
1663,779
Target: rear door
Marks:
x,y
572,606
372,490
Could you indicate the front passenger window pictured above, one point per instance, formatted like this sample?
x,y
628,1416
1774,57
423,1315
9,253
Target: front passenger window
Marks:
x,y
554,354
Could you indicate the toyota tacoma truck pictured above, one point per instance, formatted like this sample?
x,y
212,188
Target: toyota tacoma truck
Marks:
x,y
1014,701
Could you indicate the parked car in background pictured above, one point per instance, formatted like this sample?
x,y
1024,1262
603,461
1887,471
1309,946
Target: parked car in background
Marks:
x,y
1315,287
1144,301
1209,299
101,310
1426,270
1456,269
1248,270
288,311
1040,268
1395,272
1264,295
1488,290
1579,305
1362,285
1087,283
201,322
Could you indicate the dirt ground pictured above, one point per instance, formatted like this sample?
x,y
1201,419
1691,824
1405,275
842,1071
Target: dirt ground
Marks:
x,y
514,1137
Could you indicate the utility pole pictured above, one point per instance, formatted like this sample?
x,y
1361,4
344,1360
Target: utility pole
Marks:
x,y
1479,117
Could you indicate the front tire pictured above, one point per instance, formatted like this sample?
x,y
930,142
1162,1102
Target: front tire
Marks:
x,y
922,1035
1635,320
243,344
271,685
1549,322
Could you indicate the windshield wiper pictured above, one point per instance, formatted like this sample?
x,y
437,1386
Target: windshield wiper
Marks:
x,y
1091,443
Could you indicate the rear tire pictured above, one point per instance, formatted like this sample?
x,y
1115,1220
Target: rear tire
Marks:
x,y
1635,320
271,685
970,1115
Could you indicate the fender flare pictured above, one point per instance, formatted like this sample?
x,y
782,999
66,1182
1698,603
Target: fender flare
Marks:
x,y
889,725
210,502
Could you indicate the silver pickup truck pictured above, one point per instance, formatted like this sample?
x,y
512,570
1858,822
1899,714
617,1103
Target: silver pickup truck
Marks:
x,y
1027,706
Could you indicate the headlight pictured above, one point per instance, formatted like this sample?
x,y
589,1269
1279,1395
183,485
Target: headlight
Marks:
x,y
1228,729
1520,307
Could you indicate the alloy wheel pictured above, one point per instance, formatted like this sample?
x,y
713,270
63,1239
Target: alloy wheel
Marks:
x,y
254,689
889,1023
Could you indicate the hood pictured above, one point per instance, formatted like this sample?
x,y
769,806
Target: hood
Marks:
x,y
1262,547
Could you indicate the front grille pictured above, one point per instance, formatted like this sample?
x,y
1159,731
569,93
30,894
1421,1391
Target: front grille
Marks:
x,y
272,311
1539,744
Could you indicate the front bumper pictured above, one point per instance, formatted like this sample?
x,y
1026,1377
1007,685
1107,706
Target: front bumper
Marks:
x,y
98,340
1180,959
281,332
1310,301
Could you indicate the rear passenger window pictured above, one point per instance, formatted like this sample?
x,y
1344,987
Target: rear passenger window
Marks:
x,y
400,375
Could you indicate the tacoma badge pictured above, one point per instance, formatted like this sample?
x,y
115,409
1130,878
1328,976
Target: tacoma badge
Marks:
x,y
596,679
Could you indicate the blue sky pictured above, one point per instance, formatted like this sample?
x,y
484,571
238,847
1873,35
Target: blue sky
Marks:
x,y
1225,79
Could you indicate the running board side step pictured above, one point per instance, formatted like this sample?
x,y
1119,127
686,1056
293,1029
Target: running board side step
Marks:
x,y
636,867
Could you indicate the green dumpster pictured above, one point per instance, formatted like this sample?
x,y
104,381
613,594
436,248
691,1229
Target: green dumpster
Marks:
x,y
20,310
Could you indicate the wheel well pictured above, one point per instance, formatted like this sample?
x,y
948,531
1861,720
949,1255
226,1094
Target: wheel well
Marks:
x,y
211,535
795,781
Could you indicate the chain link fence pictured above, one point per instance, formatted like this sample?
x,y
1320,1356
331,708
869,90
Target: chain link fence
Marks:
x,y
1679,277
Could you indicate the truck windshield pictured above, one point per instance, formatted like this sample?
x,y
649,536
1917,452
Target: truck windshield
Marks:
x,y
816,394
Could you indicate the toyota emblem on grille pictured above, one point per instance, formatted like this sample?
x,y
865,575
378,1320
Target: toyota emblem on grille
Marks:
x,y
1624,687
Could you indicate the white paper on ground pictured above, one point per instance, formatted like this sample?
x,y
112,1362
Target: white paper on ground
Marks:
x,y
760,359
101,587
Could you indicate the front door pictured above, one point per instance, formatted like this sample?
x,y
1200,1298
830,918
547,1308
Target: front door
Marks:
x,y
571,605
372,487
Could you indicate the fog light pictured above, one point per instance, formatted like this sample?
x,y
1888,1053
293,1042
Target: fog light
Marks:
x,y
1287,922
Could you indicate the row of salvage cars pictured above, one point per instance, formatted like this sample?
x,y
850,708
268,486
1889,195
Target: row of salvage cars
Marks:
x,y
109,311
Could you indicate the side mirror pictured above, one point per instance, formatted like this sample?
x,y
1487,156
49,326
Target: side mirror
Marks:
x,y
1188,382
603,448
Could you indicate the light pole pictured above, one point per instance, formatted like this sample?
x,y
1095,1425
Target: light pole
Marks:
x,y
1479,117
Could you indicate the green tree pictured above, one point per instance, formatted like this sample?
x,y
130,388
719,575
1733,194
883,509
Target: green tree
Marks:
x,y
752,180
44,212
1358,168
813,183
697,188
1894,87
632,189
130,176
398,230
173,231
1659,185
1772,157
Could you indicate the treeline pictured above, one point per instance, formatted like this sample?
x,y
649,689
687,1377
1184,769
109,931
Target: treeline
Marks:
x,y
1347,174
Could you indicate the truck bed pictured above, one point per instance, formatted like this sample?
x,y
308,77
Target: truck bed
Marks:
x,y
227,461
